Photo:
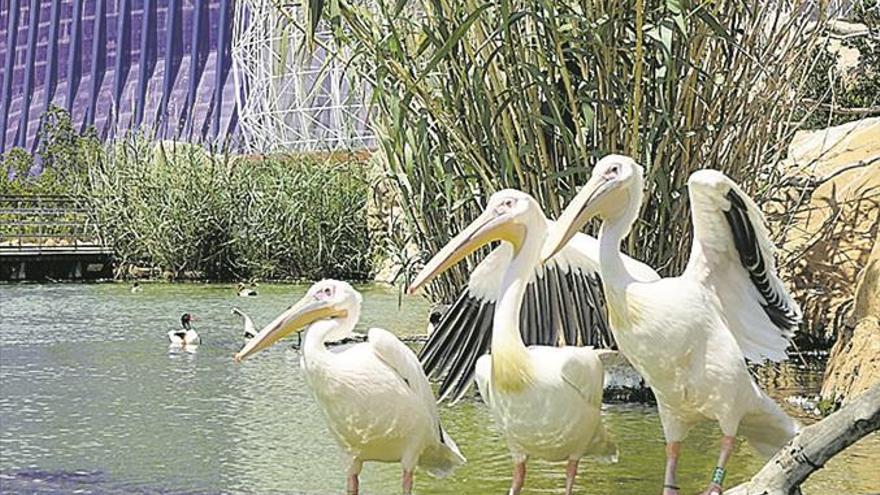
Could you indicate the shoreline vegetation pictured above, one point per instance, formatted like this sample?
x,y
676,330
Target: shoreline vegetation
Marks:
x,y
178,211
187,211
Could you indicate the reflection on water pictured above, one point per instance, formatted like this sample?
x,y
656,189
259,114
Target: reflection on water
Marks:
x,y
93,400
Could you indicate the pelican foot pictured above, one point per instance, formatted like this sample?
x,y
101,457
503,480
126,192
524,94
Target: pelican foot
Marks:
x,y
407,482
570,474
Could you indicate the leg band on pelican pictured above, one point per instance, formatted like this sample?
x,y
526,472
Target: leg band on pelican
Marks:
x,y
718,476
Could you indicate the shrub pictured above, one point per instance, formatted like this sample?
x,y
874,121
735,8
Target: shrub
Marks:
x,y
837,95
182,209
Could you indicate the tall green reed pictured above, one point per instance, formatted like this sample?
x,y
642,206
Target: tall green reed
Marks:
x,y
474,97
182,209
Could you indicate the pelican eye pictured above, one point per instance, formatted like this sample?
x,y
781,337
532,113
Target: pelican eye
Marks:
x,y
611,172
507,205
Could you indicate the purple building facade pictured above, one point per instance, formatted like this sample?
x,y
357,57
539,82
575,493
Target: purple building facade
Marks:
x,y
162,66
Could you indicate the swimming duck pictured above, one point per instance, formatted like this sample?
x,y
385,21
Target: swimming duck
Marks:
x,y
186,335
246,291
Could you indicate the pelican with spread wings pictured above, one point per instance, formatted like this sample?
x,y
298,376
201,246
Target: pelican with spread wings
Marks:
x,y
689,336
545,399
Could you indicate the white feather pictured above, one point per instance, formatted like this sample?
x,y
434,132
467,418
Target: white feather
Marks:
x,y
189,338
687,335
376,398
558,416
715,264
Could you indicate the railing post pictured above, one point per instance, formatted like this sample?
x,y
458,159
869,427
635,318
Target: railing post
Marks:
x,y
20,221
38,203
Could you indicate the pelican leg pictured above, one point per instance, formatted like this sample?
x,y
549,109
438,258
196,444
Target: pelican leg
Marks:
x,y
407,481
353,484
670,487
519,478
727,443
570,474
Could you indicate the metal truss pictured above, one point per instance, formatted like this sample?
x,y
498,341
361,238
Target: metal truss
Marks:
x,y
291,98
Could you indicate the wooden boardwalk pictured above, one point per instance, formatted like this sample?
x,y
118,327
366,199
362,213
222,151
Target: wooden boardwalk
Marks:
x,y
50,237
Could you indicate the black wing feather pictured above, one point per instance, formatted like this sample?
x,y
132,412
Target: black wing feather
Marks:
x,y
469,367
469,347
436,353
752,259
556,300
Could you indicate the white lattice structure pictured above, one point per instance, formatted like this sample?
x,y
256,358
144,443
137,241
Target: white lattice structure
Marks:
x,y
291,99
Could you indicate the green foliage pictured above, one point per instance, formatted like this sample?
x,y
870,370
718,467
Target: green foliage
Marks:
x,y
65,150
63,154
179,208
830,85
19,163
58,169
182,209
475,97
827,406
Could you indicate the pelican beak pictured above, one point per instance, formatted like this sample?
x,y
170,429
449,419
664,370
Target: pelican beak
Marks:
x,y
488,227
581,209
308,310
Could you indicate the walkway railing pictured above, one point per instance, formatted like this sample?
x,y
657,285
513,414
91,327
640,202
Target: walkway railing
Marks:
x,y
47,224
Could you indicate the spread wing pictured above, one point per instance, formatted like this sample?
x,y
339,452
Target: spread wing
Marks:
x,y
563,305
249,329
391,351
732,255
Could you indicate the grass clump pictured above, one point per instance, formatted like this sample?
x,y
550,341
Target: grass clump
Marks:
x,y
186,211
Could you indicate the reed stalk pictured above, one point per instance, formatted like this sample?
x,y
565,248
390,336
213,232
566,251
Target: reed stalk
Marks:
x,y
474,97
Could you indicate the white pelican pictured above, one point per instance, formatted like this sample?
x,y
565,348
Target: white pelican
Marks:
x,y
563,304
243,291
689,336
375,396
545,399
185,335
249,329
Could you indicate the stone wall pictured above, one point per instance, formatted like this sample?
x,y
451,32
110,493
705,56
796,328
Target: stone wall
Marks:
x,y
826,219
854,365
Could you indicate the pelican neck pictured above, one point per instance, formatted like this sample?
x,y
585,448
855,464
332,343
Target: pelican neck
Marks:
x,y
316,337
506,322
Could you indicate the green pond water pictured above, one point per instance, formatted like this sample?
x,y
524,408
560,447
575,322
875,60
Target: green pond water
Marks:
x,y
93,401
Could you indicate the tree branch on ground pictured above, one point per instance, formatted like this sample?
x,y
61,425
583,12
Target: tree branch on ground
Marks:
x,y
814,446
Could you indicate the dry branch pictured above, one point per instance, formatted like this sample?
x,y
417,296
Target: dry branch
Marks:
x,y
813,182
859,111
814,446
